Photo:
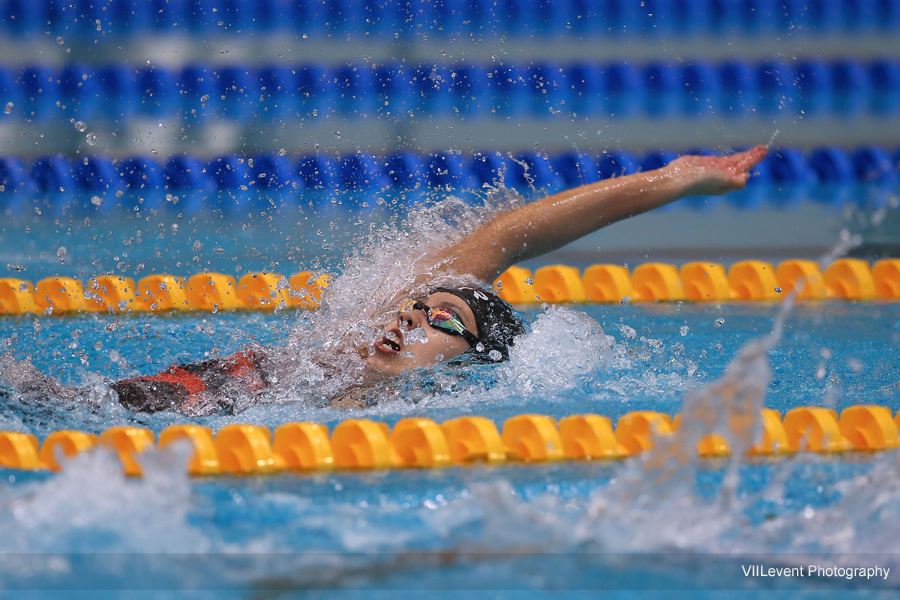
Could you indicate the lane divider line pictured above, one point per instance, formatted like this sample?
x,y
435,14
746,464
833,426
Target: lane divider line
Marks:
x,y
364,444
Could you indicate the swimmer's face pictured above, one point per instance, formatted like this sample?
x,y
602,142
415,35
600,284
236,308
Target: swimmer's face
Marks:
x,y
411,342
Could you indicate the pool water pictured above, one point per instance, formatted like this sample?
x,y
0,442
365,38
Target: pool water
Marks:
x,y
665,520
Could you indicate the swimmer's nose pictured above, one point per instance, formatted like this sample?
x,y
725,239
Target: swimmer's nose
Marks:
x,y
412,319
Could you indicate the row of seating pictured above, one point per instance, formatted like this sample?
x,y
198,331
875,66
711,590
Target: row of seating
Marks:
x,y
407,170
200,92
94,19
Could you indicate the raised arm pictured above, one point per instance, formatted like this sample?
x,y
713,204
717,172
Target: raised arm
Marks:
x,y
556,220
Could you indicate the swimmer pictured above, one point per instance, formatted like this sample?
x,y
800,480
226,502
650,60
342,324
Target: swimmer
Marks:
x,y
461,322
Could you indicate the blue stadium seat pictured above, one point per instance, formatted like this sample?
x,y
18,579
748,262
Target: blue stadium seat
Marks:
x,y
509,97
550,17
859,16
884,81
586,89
39,93
396,94
488,168
97,175
656,17
271,171
814,87
315,91
539,175
52,175
81,92
699,89
15,177
657,159
119,18
739,91
229,172
445,169
511,17
775,83
546,88
22,17
404,169
433,89
691,17
624,87
832,165
165,16
197,93
823,16
273,15
120,97
615,163
10,93
361,171
872,164
355,90
850,87
576,168
586,17
317,172
240,88
278,88
887,14
661,90
157,92
787,166
725,17
759,16
471,90
142,174
186,174
622,16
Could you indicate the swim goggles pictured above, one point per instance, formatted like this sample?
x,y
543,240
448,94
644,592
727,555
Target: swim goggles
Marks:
x,y
442,318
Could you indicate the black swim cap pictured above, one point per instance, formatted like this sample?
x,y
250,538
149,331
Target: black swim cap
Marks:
x,y
497,323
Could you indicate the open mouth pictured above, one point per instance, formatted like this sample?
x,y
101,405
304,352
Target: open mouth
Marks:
x,y
391,343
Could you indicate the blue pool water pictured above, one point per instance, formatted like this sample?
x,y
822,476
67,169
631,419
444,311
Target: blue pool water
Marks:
x,y
666,520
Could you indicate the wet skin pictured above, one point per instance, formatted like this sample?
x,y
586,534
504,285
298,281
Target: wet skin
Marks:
x,y
441,346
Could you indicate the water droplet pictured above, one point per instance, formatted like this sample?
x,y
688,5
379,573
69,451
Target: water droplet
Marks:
x,y
60,40
197,246
625,300
337,135
61,254
529,281
495,355
91,139
9,107
96,200
778,290
204,97
718,346
678,305
684,330
479,347
719,322
81,126
282,152
98,345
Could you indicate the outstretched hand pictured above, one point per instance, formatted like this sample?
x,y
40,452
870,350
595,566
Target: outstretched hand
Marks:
x,y
714,175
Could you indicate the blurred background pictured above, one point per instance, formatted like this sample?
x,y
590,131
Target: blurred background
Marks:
x,y
244,115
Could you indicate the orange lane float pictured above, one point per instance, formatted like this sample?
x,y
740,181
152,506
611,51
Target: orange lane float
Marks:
x,y
754,280
850,279
16,297
656,281
516,286
705,282
362,444
607,283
